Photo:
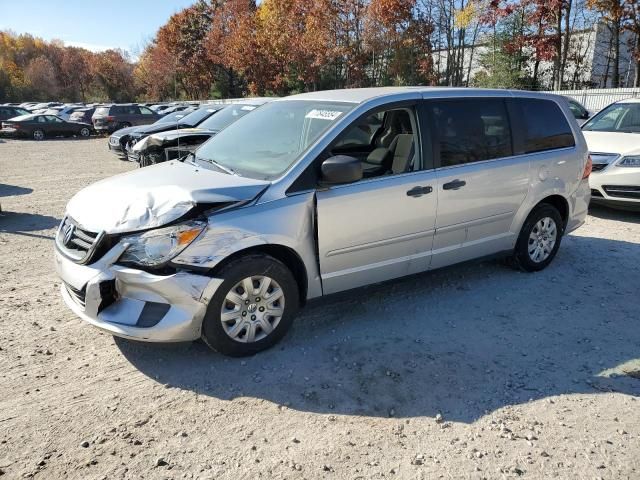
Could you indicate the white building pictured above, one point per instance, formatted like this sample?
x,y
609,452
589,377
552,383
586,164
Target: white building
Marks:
x,y
589,61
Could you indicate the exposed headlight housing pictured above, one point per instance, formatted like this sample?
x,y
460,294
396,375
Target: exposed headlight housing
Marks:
x,y
632,161
157,247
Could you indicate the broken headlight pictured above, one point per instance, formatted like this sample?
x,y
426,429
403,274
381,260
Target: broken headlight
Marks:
x,y
156,247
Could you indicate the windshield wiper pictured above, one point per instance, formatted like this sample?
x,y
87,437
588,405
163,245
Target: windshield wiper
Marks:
x,y
217,165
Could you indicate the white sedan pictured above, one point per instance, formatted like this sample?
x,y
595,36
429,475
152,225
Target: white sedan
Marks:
x,y
613,138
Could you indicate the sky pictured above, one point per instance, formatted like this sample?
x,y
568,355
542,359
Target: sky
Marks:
x,y
92,24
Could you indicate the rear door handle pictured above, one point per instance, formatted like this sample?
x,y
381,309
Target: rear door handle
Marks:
x,y
419,191
454,185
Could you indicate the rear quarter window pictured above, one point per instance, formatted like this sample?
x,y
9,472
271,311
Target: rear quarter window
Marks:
x,y
545,126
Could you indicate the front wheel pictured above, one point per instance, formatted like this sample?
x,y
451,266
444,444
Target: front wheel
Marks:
x,y
85,132
38,134
539,239
253,308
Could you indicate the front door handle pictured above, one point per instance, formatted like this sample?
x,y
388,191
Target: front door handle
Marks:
x,y
454,185
419,191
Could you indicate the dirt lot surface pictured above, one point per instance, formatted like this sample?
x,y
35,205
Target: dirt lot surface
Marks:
x,y
475,371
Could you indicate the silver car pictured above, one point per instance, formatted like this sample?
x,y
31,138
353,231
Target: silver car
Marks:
x,y
319,193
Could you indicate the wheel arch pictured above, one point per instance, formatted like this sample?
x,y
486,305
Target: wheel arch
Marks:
x,y
286,255
560,203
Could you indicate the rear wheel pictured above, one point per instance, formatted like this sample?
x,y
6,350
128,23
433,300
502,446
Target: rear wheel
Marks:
x,y
38,134
253,308
85,132
125,125
539,239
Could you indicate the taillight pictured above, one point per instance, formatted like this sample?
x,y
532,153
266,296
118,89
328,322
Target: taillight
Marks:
x,y
587,168
110,118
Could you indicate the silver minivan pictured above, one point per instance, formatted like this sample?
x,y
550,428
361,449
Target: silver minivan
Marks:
x,y
319,193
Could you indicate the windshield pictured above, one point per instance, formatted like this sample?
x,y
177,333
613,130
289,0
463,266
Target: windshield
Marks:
x,y
172,117
267,142
194,118
619,117
227,116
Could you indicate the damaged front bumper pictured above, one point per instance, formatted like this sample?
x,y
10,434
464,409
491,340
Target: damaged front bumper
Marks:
x,y
135,304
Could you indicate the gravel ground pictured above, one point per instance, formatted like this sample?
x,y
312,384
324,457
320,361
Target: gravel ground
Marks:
x,y
475,371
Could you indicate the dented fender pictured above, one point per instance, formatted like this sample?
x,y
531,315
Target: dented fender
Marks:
x,y
288,222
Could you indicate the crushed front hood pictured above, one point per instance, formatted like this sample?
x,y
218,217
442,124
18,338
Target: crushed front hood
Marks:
x,y
154,196
171,137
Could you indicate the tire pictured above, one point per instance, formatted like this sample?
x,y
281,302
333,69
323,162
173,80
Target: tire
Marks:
x,y
124,125
85,132
231,334
38,134
537,246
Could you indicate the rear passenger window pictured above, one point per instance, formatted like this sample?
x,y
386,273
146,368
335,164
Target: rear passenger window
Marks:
x,y
471,130
545,126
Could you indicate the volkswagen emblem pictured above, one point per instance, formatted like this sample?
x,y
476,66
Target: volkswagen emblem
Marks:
x,y
67,233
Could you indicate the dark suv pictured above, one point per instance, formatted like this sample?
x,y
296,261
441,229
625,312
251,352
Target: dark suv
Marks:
x,y
110,118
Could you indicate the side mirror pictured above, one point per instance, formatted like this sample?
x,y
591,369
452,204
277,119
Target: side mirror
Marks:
x,y
341,169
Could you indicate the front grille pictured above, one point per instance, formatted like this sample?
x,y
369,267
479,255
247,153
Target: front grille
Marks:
x,y
77,243
622,191
77,295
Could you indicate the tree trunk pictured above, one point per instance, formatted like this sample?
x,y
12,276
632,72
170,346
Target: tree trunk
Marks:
x,y
636,80
567,38
557,78
615,77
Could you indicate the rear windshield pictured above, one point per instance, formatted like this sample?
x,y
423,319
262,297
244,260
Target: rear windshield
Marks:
x,y
102,111
227,116
22,118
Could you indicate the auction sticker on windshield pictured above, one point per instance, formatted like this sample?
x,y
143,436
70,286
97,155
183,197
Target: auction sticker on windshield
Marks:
x,y
323,114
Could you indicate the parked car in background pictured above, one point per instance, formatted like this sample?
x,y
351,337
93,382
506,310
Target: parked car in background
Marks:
x,y
43,106
173,108
113,117
40,126
187,122
291,203
8,111
613,137
120,138
172,144
82,115
63,111
580,113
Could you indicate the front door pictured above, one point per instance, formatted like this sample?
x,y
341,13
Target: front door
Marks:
x,y
381,227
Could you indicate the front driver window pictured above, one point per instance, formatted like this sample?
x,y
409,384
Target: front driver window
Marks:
x,y
386,142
